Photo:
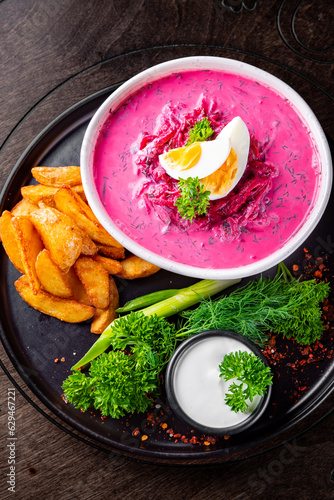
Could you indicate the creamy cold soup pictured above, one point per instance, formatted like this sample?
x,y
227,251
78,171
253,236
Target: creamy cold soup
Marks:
x,y
266,207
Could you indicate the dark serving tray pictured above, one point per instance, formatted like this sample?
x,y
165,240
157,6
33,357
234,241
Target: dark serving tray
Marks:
x,y
33,340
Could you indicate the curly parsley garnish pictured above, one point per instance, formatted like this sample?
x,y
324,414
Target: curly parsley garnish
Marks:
x,y
201,131
193,200
122,381
248,369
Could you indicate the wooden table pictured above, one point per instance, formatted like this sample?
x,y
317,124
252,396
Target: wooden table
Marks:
x,y
55,53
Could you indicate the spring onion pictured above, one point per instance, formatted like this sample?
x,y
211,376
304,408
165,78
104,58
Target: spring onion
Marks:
x,y
185,298
147,300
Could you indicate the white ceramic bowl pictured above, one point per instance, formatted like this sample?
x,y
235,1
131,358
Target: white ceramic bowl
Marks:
x,y
221,64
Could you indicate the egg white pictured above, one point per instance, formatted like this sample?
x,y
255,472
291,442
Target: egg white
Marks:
x,y
214,153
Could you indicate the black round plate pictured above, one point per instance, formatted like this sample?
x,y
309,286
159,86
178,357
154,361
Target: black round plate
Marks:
x,y
33,340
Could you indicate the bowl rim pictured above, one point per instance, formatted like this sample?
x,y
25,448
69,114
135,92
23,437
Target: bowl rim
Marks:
x,y
223,64
171,395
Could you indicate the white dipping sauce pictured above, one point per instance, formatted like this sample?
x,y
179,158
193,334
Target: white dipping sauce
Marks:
x,y
199,389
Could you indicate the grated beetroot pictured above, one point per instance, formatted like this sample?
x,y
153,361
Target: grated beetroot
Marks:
x,y
242,209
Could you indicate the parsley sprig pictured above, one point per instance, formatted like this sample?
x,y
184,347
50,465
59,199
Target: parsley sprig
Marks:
x,y
122,381
201,131
193,199
254,375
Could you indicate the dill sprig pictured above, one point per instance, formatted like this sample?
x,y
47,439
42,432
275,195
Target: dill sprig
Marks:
x,y
283,305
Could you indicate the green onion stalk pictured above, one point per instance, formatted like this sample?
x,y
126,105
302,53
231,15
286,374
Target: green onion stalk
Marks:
x,y
183,299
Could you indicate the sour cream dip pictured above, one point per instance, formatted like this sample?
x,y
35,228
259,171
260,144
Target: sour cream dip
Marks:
x,y
196,391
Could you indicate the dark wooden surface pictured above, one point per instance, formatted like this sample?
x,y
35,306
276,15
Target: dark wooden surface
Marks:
x,y
52,54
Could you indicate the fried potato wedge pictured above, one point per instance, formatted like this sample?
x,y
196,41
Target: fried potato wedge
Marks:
x,y
111,265
57,176
30,245
23,207
88,245
71,204
103,317
112,252
8,239
77,288
95,279
134,267
60,235
51,277
67,310
39,192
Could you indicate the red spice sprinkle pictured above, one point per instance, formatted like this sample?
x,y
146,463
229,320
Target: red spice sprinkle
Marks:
x,y
56,360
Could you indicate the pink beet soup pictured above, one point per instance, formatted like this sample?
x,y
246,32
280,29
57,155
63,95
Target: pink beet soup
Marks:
x,y
264,210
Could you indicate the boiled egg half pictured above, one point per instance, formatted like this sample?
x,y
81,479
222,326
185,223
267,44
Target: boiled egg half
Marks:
x,y
219,164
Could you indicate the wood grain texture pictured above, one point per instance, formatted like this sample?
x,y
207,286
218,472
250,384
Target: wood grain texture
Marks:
x,y
52,55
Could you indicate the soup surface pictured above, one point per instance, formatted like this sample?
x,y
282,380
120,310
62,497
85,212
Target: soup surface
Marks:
x,y
265,209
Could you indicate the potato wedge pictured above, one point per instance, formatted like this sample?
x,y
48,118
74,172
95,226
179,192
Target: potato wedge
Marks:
x,y
51,277
64,309
57,176
134,267
111,265
88,245
78,291
30,245
60,235
103,317
8,239
39,192
23,207
112,252
70,203
95,280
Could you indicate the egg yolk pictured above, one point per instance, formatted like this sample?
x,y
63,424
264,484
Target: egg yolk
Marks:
x,y
222,179
183,158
